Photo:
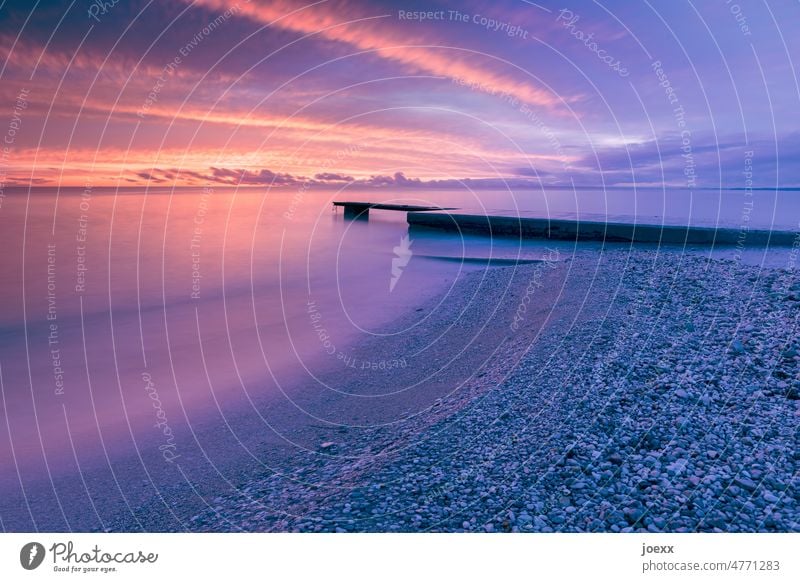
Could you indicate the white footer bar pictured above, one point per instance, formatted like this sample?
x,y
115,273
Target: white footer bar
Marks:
x,y
380,557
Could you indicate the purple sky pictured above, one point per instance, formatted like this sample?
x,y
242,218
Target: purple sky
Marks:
x,y
285,93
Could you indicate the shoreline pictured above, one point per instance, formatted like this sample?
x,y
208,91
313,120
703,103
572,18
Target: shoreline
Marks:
x,y
361,412
609,406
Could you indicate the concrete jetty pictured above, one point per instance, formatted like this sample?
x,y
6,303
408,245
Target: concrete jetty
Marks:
x,y
528,226
360,210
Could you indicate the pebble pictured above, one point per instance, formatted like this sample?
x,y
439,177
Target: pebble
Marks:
x,y
591,440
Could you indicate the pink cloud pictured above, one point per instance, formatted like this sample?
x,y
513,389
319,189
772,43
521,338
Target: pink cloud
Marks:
x,y
375,33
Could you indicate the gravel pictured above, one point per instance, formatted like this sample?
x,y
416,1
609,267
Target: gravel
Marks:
x,y
660,393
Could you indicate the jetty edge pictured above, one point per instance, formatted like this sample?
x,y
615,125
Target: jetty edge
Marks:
x,y
596,230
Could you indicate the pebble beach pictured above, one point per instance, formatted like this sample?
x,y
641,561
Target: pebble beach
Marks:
x,y
638,390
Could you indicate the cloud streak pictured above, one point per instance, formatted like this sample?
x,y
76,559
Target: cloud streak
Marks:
x,y
372,32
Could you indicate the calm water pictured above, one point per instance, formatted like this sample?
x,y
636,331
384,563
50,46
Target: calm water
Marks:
x,y
111,301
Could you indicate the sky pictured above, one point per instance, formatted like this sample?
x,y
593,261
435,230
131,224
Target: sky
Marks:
x,y
406,94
